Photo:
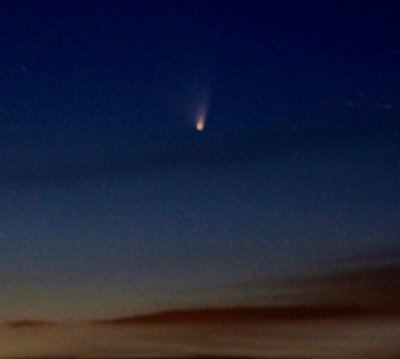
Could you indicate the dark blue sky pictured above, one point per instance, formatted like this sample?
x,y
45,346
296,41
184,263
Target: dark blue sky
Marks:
x,y
107,188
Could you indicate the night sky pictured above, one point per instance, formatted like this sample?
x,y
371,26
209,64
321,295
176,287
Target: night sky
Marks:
x,y
113,203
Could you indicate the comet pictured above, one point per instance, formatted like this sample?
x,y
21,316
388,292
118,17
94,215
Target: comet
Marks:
x,y
199,110
200,117
200,123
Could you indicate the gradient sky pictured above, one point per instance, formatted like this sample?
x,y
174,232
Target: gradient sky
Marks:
x,y
112,203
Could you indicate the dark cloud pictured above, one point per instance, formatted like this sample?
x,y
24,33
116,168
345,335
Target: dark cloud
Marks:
x,y
30,324
246,315
381,255
373,288
215,146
